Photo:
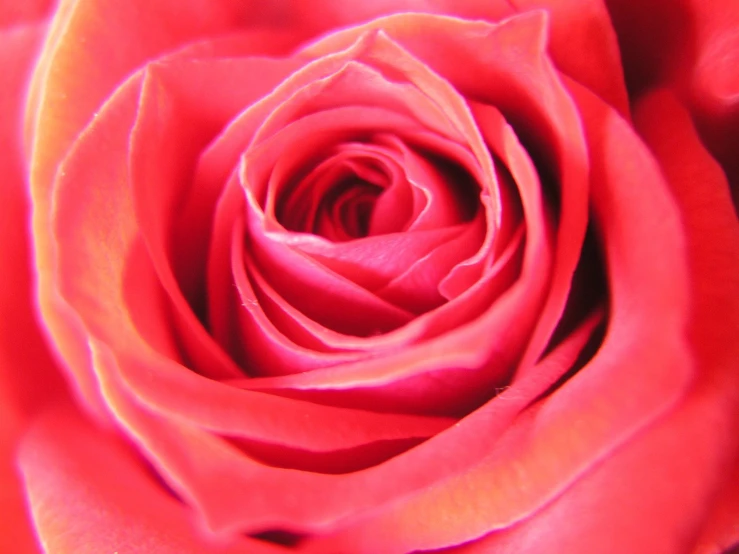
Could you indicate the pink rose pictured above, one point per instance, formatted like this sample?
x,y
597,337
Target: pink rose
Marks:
x,y
335,277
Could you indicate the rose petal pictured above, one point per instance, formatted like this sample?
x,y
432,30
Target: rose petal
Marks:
x,y
699,187
277,353
371,261
238,312
13,14
27,371
610,517
720,532
29,377
576,26
607,402
99,58
96,232
372,164
223,484
418,288
714,86
173,124
95,61
654,40
97,496
18,534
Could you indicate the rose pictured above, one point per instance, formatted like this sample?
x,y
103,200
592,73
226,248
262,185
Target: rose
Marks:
x,y
563,403
646,396
532,443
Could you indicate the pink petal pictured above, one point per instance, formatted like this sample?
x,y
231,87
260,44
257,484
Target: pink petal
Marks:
x,y
699,187
97,234
236,492
14,14
664,476
641,370
97,496
28,376
576,26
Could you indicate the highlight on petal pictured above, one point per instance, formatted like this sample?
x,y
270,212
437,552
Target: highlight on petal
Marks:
x,y
27,371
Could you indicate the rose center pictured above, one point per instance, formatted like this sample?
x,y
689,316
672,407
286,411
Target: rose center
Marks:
x,y
363,189
340,197
347,210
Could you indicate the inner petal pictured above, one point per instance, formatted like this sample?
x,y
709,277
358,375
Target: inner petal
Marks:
x,y
336,199
345,214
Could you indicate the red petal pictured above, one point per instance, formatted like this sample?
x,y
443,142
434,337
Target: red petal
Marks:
x,y
699,187
576,26
14,14
639,373
650,495
89,493
173,124
29,377
82,63
235,492
714,84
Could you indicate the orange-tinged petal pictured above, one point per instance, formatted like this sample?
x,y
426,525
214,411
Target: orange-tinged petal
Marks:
x,y
98,496
28,374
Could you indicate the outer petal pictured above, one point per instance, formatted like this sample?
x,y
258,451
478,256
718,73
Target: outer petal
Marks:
x,y
19,13
637,375
27,373
98,496
649,496
83,61
654,37
695,445
577,26
691,46
714,84
699,186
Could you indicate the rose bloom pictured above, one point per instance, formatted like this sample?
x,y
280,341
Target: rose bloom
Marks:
x,y
369,277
